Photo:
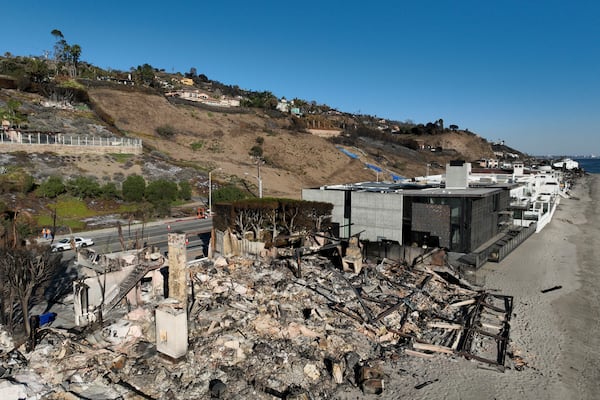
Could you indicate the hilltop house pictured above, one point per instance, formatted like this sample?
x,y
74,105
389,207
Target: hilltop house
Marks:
x,y
202,97
283,105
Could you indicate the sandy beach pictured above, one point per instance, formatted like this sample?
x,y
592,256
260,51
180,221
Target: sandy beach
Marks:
x,y
556,332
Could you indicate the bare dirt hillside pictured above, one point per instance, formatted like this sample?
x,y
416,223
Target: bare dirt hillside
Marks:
x,y
213,139
223,140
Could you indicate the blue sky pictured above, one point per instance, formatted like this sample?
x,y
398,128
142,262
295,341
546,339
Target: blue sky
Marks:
x,y
527,72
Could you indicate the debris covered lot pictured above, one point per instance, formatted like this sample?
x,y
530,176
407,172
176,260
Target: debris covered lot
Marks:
x,y
256,330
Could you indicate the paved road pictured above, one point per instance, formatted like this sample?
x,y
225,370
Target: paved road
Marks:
x,y
106,240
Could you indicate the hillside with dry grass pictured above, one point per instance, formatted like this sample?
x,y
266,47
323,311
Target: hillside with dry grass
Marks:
x,y
183,141
213,139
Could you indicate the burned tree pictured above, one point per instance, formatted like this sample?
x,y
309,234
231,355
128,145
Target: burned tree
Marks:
x,y
261,215
316,216
243,219
290,209
285,216
271,215
25,275
15,226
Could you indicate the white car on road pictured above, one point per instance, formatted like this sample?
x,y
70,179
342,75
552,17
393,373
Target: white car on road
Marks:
x,y
65,244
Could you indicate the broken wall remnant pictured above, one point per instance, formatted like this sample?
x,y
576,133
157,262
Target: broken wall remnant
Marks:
x,y
171,328
228,244
352,261
178,286
108,278
392,250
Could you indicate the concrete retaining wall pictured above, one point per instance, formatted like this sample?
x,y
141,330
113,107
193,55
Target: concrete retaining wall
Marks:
x,y
68,149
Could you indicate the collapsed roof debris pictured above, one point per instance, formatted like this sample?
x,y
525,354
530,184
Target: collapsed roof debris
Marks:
x,y
256,329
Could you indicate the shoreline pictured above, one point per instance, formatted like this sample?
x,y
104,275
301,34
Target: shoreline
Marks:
x,y
579,311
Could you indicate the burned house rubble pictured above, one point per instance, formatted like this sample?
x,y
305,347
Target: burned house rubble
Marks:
x,y
107,279
298,325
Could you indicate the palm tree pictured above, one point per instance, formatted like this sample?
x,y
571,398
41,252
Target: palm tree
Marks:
x,y
75,52
59,46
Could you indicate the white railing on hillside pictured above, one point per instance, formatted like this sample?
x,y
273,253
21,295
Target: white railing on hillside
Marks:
x,y
15,137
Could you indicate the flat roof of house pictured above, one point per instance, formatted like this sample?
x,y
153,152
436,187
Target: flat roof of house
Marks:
x,y
381,187
444,192
414,189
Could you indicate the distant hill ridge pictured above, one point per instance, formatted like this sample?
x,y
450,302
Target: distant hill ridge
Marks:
x,y
189,135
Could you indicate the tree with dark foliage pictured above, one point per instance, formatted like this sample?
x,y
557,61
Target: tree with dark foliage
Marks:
x,y
25,274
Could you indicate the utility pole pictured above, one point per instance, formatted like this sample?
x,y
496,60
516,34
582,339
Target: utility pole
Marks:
x,y
260,188
210,211
259,162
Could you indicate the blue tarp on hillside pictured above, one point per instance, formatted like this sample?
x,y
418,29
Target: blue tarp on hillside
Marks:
x,y
371,166
346,152
374,167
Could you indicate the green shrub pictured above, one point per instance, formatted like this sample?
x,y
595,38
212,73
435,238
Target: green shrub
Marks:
x,y
109,191
229,193
185,190
166,131
84,187
133,188
51,188
197,145
162,193
16,180
256,151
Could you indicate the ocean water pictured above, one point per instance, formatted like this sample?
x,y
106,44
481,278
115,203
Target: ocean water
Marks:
x,y
590,165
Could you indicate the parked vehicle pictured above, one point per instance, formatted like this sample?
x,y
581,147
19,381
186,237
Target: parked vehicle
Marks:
x,y
66,243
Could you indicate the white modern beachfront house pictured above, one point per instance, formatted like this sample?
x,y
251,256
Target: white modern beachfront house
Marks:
x,y
534,193
566,163
536,197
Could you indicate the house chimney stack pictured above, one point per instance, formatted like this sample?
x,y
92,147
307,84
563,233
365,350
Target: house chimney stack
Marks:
x,y
177,267
457,174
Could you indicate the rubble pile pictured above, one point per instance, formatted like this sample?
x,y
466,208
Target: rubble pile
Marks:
x,y
258,331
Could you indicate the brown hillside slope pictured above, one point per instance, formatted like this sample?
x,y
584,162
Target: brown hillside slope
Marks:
x,y
469,145
294,160
217,139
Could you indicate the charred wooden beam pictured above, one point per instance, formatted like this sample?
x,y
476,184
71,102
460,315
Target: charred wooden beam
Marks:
x,y
356,294
387,312
432,347
347,312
